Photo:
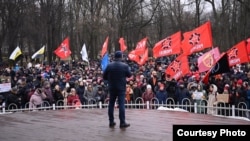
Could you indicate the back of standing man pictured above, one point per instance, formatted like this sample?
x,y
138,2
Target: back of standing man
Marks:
x,y
116,74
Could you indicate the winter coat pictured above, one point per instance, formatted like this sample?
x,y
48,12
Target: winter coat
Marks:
x,y
116,74
72,99
161,95
211,100
147,96
36,99
182,94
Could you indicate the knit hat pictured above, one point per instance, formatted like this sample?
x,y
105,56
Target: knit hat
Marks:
x,y
239,82
118,54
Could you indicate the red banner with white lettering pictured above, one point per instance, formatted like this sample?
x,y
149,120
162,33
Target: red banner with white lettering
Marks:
x,y
168,46
238,54
141,46
143,58
133,56
140,53
178,68
198,39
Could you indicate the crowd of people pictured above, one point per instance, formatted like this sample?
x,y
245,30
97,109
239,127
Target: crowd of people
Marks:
x,y
79,82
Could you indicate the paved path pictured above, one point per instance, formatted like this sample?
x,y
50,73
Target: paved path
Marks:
x,y
92,125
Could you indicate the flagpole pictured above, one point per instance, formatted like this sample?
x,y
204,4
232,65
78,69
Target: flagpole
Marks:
x,y
44,55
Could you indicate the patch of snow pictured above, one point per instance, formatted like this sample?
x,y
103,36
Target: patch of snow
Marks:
x,y
5,113
234,117
171,109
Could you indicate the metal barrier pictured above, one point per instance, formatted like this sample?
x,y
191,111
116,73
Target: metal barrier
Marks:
x,y
221,108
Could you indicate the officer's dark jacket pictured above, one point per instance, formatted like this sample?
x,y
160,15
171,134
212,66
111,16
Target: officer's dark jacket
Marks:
x,y
116,74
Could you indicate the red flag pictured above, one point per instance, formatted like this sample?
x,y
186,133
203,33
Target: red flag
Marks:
x,y
238,54
168,46
205,79
133,56
248,47
141,46
179,67
198,39
105,46
123,47
140,53
63,51
207,60
143,58
139,59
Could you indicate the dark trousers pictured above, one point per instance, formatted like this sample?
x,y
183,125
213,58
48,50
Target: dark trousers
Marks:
x,y
121,103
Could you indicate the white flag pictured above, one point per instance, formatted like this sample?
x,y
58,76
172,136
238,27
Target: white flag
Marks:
x,y
84,53
16,53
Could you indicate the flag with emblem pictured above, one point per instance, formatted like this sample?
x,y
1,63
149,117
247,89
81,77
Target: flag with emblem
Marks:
x,y
143,58
39,53
221,66
63,51
178,68
15,54
207,60
140,53
141,46
168,46
198,39
133,56
123,46
238,54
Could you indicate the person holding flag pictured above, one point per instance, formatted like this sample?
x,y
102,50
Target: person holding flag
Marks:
x,y
116,73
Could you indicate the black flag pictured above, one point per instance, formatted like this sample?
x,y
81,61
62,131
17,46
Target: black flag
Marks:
x,y
221,66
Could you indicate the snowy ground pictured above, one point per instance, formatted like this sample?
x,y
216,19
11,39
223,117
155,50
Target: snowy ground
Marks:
x,y
182,110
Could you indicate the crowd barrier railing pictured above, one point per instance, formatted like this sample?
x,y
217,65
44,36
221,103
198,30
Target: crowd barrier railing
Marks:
x,y
220,108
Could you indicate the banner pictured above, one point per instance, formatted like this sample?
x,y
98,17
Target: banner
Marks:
x,y
238,54
5,87
178,68
168,46
198,39
207,60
